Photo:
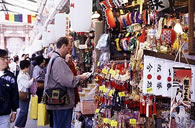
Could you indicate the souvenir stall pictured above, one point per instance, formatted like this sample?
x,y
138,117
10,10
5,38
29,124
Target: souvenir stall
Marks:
x,y
82,35
144,76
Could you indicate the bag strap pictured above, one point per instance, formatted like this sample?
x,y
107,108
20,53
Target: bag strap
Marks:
x,y
52,62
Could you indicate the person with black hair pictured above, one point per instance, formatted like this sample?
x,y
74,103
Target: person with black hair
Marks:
x,y
8,92
14,65
24,83
23,57
16,60
32,64
39,75
33,59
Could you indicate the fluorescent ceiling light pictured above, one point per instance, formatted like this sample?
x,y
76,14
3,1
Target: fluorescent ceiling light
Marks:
x,y
19,10
24,3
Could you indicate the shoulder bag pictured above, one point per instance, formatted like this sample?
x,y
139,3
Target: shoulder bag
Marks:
x,y
56,96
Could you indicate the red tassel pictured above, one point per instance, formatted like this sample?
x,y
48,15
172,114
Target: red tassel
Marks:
x,y
150,107
141,105
145,108
150,110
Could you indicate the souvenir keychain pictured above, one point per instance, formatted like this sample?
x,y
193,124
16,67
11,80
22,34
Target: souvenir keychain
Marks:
x,y
117,44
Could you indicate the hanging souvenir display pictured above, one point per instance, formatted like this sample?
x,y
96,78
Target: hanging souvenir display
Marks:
x,y
108,14
117,98
144,92
168,36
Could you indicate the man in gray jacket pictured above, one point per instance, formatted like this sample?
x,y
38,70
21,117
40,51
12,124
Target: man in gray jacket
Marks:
x,y
60,73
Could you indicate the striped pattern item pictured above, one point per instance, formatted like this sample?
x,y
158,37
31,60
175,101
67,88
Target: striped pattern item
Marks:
x,y
20,18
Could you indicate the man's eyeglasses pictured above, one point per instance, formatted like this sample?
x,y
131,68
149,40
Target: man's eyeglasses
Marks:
x,y
4,58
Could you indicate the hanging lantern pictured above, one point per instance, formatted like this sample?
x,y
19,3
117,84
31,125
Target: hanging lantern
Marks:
x,y
51,33
60,25
109,16
44,39
168,36
80,15
37,45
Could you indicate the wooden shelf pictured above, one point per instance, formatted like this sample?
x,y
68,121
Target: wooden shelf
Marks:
x,y
191,9
166,56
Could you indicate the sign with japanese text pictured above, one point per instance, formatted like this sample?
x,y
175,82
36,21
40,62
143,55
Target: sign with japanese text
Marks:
x,y
159,5
180,99
158,83
149,73
168,78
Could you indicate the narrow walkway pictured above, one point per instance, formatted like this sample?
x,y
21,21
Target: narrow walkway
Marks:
x,y
31,123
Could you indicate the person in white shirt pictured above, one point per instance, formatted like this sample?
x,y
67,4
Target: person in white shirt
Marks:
x,y
14,65
24,83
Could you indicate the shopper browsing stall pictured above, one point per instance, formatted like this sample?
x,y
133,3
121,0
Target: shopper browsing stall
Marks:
x,y
24,83
39,75
60,76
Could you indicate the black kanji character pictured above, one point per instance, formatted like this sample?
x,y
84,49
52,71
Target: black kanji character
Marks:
x,y
149,67
168,86
159,85
169,72
159,68
149,84
151,4
156,3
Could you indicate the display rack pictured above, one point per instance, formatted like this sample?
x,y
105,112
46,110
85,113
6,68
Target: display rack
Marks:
x,y
166,56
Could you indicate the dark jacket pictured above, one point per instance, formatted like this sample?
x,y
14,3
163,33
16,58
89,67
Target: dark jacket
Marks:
x,y
9,98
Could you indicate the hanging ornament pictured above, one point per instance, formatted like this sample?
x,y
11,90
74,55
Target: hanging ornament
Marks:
x,y
108,14
60,25
80,15
168,36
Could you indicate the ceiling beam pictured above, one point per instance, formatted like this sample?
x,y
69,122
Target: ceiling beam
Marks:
x,y
6,12
3,10
32,1
17,6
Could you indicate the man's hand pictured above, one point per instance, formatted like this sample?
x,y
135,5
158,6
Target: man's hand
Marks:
x,y
84,76
13,117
